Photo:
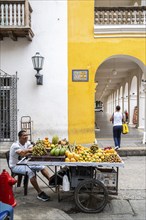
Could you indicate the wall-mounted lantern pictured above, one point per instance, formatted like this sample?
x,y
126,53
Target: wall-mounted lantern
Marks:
x,y
38,62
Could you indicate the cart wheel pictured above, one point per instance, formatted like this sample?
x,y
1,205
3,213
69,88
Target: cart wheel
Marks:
x,y
91,196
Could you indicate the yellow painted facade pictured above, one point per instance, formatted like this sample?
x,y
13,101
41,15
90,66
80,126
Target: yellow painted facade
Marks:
x,y
87,52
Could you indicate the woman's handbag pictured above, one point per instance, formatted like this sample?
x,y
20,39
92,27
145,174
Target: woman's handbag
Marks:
x,y
125,129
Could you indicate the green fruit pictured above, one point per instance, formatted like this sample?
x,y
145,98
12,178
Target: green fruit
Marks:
x,y
62,151
57,151
52,145
52,152
55,139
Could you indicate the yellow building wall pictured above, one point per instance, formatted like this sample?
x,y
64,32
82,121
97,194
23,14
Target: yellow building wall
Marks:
x,y
87,52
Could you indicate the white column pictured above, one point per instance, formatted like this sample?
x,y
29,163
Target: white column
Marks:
x,y
141,109
144,133
126,103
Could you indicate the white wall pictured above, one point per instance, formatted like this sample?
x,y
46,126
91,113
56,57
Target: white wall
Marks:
x,y
47,104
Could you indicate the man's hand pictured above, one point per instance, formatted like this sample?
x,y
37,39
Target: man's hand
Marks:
x,y
30,150
24,152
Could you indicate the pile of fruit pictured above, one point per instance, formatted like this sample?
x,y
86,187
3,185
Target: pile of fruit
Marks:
x,y
46,142
75,153
92,154
39,149
58,150
56,147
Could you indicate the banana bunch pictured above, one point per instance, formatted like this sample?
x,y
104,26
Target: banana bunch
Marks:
x,y
39,149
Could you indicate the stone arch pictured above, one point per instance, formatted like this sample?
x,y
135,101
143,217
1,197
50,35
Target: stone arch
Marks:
x,y
134,59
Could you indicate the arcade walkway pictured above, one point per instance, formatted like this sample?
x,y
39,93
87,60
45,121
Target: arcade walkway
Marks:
x,y
104,135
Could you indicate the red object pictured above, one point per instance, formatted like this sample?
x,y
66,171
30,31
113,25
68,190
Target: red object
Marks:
x,y
107,148
6,190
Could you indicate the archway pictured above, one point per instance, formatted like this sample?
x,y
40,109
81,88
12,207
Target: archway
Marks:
x,y
117,83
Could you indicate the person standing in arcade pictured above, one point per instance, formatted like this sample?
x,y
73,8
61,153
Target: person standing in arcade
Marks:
x,y
117,119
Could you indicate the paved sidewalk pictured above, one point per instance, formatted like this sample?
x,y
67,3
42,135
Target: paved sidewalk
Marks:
x,y
128,204
131,143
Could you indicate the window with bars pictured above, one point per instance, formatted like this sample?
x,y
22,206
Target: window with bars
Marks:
x,y
8,107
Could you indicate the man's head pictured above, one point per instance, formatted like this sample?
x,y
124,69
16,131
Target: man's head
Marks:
x,y
23,136
118,108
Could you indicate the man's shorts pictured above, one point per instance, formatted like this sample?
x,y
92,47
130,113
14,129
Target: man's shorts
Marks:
x,y
22,169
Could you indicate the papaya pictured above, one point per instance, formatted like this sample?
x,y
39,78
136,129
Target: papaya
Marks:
x,y
52,152
55,139
57,152
62,151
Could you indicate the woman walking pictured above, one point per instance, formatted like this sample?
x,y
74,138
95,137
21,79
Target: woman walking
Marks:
x,y
117,118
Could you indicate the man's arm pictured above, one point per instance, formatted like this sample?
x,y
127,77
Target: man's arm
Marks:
x,y
24,152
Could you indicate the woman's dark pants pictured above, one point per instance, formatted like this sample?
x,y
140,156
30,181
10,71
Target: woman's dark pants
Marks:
x,y
117,130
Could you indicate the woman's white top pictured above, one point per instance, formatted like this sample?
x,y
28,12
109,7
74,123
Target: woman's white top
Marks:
x,y
117,118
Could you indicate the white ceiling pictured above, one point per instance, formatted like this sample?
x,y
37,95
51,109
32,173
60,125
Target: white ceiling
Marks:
x,y
107,82
118,3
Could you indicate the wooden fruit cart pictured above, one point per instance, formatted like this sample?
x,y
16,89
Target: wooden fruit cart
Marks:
x,y
91,182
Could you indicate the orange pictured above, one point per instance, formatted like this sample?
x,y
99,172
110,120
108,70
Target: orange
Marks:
x,y
67,159
72,160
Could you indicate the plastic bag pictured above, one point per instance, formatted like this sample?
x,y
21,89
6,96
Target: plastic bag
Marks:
x,y
66,183
125,129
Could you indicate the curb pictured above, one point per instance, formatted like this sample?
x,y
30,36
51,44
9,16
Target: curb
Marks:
x,y
132,152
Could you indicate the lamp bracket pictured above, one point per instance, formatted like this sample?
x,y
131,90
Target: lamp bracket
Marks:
x,y
39,79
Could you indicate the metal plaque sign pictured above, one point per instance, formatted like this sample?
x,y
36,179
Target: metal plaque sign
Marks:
x,y
80,75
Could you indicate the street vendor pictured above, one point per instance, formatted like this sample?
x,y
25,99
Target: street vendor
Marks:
x,y
22,148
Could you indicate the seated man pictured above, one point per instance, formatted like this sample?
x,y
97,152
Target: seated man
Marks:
x,y
22,148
